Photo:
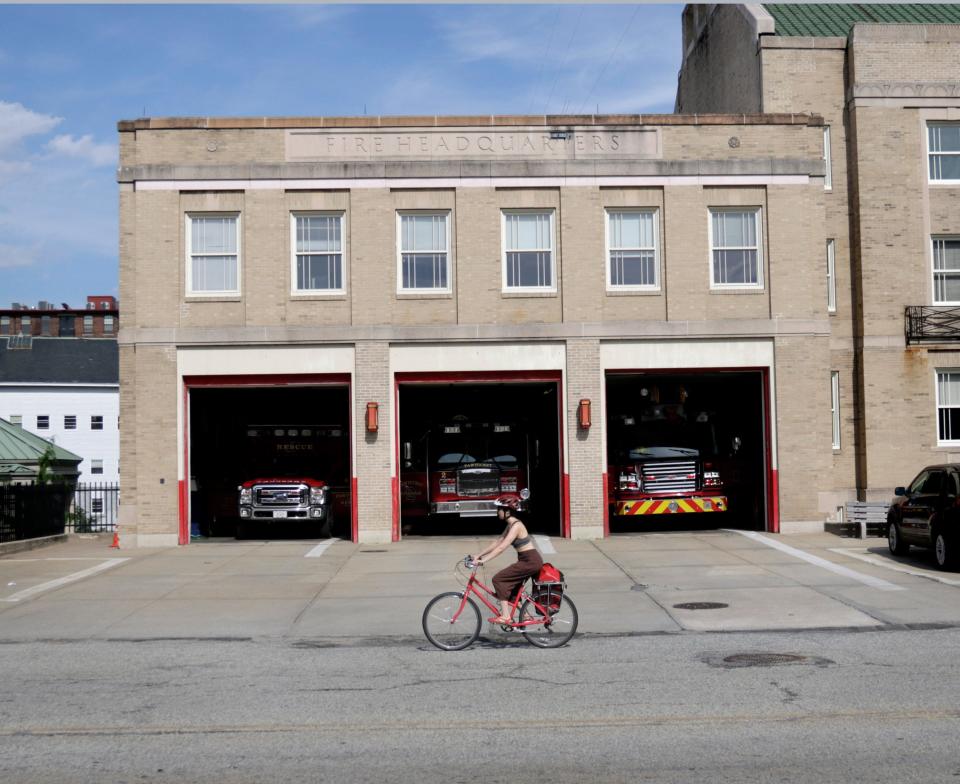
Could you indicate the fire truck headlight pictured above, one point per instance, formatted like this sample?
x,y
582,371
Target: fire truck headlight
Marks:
x,y
629,482
508,485
318,495
246,495
448,487
711,479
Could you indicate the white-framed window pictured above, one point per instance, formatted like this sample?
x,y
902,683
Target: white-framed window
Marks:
x,y
943,151
4,325
108,325
88,325
736,260
632,250
26,326
96,505
423,252
70,422
96,422
835,406
43,422
96,466
831,276
528,250
827,158
948,405
317,242
213,254
16,419
946,270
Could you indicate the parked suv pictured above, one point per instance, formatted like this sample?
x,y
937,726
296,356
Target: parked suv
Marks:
x,y
927,514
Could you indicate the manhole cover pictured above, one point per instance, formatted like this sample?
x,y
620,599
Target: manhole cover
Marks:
x,y
763,659
700,606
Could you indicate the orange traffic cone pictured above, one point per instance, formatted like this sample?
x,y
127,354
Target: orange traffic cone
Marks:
x,y
116,540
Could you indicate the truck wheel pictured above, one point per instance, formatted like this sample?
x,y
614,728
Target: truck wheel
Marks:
x,y
943,551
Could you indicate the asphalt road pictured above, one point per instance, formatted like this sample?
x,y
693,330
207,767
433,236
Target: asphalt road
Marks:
x,y
878,706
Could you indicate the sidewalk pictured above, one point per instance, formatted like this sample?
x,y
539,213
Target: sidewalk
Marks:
x,y
627,584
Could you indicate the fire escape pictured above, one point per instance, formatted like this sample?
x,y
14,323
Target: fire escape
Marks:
x,y
931,324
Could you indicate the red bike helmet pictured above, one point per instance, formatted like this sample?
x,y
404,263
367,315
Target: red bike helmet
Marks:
x,y
508,502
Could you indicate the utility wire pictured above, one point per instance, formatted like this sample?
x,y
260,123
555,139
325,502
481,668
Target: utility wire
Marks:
x,y
609,59
546,56
566,55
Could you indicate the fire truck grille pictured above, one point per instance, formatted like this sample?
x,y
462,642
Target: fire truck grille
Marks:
x,y
279,495
476,482
669,477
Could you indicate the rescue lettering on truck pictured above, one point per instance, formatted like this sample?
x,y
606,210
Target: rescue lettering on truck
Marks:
x,y
461,467
666,460
304,463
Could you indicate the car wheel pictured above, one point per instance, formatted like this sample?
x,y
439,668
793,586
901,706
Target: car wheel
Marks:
x,y
895,540
943,551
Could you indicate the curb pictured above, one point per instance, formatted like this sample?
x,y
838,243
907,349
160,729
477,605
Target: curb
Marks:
x,y
22,545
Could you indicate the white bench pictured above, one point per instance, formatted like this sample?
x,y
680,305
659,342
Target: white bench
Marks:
x,y
867,514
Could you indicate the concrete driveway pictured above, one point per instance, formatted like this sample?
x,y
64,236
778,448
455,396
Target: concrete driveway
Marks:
x,y
337,591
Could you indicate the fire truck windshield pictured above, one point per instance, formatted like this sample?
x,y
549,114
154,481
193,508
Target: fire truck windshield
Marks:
x,y
668,439
476,447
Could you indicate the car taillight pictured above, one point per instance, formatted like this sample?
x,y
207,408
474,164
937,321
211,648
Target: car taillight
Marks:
x,y
629,481
711,479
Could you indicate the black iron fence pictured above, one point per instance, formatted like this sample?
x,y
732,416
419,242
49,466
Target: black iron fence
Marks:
x,y
94,508
931,323
31,511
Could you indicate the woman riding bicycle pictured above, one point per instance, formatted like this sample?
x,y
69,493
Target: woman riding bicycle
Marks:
x,y
507,582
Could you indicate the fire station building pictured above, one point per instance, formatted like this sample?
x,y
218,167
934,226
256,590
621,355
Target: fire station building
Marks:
x,y
355,296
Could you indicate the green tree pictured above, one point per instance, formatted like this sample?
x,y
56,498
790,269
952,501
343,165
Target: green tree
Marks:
x,y
44,466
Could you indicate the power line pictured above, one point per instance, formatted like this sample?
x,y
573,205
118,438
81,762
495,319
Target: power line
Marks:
x,y
566,54
609,59
546,55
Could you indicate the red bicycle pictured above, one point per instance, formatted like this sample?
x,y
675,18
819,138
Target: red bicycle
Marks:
x,y
451,621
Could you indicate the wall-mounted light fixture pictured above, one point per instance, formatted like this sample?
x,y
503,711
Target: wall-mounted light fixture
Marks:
x,y
372,420
559,135
583,413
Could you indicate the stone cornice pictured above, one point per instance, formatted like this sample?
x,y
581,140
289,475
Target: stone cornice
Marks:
x,y
620,330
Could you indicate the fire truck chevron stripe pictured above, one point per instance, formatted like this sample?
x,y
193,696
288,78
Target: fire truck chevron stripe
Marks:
x,y
695,505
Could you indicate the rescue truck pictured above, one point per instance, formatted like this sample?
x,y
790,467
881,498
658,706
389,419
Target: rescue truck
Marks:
x,y
461,467
667,459
303,482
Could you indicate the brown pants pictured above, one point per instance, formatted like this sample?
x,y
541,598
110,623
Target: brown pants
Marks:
x,y
507,582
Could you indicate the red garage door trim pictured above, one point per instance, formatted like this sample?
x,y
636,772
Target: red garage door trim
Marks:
x,y
772,480
263,380
480,377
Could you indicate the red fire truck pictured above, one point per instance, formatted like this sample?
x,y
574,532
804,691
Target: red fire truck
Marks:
x,y
461,467
666,459
292,459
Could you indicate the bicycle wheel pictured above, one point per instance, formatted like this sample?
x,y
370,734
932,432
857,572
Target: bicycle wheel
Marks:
x,y
557,631
442,630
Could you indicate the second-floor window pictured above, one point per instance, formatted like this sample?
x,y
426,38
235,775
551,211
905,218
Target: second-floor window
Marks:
x,y
4,325
88,325
26,326
70,422
96,466
946,270
736,260
831,276
827,159
213,254
43,422
943,151
318,253
424,252
948,406
528,261
835,406
108,325
632,250
96,422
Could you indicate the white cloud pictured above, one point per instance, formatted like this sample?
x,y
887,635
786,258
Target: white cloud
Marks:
x,y
18,122
84,148
18,256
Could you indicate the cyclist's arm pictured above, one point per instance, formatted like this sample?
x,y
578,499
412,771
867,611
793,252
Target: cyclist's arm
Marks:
x,y
499,546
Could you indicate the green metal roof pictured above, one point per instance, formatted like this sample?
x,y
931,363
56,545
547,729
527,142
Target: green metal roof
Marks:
x,y
19,445
826,20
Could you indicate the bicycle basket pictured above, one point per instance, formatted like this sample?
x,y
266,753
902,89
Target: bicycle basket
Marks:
x,y
548,595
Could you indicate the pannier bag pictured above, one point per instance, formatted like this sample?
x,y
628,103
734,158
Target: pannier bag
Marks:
x,y
548,588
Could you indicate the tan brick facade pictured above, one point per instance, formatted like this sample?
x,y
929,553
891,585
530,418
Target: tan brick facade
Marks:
x,y
173,169
877,89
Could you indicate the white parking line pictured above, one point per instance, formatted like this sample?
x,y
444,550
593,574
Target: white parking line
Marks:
x,y
887,565
873,582
319,550
70,578
544,545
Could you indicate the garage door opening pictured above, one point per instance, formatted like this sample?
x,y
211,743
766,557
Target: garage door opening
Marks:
x,y
270,462
687,451
462,444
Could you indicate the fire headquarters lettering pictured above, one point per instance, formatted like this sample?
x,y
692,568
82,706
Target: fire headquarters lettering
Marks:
x,y
303,145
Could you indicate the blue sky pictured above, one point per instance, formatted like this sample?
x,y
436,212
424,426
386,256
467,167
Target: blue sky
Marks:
x,y
69,73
